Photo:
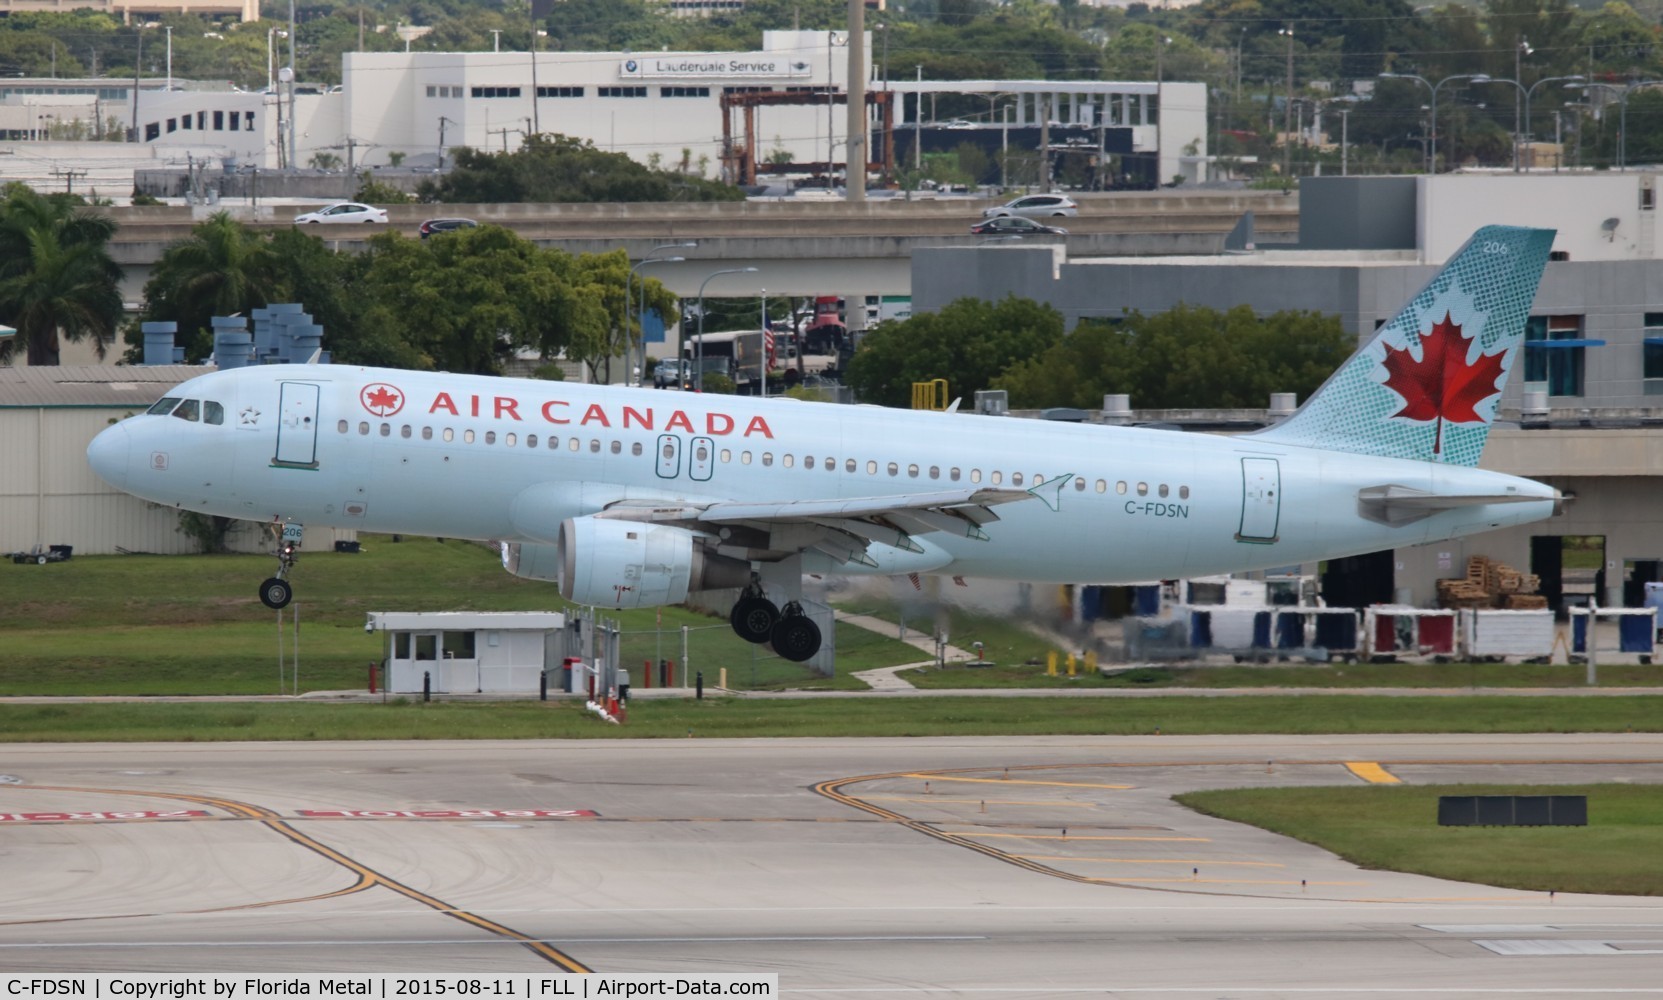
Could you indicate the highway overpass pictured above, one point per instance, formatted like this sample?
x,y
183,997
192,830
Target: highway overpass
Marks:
x,y
801,246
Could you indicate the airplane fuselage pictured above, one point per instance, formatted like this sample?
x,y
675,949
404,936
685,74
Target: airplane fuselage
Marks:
x,y
510,459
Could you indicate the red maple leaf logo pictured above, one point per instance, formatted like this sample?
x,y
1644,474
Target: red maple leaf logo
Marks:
x,y
1442,386
381,399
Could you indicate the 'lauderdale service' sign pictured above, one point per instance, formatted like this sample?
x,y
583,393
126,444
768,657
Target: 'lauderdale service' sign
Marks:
x,y
750,65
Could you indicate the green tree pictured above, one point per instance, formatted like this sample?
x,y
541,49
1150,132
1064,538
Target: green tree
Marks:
x,y
1185,357
222,268
57,279
467,302
555,168
969,343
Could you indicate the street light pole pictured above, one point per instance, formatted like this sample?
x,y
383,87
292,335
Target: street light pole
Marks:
x,y
698,347
1287,112
1435,87
629,281
1345,141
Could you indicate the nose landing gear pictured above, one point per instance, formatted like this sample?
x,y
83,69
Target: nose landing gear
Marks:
x,y
275,592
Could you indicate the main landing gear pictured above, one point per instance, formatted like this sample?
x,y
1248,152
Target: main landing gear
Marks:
x,y
756,619
275,592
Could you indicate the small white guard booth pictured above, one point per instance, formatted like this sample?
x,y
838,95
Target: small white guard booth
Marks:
x,y
469,652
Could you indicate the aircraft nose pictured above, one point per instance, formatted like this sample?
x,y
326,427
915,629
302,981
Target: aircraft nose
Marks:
x,y
107,454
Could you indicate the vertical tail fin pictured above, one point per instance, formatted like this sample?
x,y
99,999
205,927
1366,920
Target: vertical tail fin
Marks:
x,y
1426,386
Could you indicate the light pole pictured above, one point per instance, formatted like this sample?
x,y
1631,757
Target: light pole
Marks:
x,y
1519,138
1622,121
1287,112
169,29
443,121
698,348
1345,141
1435,87
629,280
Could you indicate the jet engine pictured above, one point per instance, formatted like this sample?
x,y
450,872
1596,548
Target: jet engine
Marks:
x,y
627,564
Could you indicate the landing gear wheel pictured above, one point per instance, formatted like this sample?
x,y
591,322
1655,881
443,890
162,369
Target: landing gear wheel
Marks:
x,y
753,618
276,594
796,638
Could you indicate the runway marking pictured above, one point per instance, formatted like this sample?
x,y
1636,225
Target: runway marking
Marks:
x,y
1372,772
1016,781
990,802
366,876
1231,881
1085,836
1153,861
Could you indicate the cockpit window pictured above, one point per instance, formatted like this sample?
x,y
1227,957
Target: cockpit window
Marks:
x,y
212,412
190,409
164,405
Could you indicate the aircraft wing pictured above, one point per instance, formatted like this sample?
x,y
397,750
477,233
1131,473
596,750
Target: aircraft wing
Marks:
x,y
841,528
1394,504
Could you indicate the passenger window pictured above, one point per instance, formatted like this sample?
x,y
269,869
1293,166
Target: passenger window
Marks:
x,y
1162,491
1120,487
975,475
996,477
1143,489
700,454
767,458
1079,485
449,434
427,433
510,439
1102,486
787,459
808,461
531,440
849,466
727,456
635,449
617,447
163,406
404,431
894,469
953,473
871,468
594,446
212,412
574,445
1183,492
744,458
1016,479
912,471
490,437
364,428
386,430
554,443
190,409
935,472
467,436
341,426
669,451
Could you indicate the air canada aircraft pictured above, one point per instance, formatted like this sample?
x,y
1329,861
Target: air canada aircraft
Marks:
x,y
634,497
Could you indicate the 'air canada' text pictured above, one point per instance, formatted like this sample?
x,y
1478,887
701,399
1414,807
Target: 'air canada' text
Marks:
x,y
647,418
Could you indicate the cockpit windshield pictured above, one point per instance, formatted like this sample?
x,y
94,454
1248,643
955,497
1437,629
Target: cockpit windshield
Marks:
x,y
204,410
163,406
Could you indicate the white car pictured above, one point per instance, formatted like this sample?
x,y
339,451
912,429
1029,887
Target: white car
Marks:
x,y
343,211
1035,206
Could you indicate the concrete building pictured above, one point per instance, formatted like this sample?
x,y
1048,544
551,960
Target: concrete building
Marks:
x,y
242,10
1584,404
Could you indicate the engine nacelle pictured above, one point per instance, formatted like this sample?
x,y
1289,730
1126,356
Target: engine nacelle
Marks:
x,y
627,564
532,560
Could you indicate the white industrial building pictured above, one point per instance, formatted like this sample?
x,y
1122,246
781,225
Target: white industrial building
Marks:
x,y
660,108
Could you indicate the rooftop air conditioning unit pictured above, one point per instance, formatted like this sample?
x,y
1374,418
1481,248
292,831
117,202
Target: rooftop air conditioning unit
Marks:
x,y
993,402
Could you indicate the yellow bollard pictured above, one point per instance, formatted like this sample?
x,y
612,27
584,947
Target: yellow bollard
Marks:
x,y
722,679
1071,664
1051,663
1091,661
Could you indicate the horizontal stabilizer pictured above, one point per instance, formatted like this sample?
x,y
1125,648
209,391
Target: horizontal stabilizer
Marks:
x,y
1394,504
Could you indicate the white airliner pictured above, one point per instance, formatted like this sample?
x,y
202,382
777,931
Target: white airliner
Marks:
x,y
635,497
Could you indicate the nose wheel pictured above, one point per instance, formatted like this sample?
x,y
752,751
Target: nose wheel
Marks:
x,y
275,592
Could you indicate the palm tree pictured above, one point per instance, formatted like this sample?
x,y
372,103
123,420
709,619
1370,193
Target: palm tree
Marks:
x,y
56,275
220,269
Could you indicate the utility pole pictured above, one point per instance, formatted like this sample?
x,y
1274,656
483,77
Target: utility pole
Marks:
x,y
294,151
536,119
138,63
854,160
169,30
1519,52
442,122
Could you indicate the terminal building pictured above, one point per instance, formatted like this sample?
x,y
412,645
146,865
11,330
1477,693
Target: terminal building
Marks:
x,y
1583,411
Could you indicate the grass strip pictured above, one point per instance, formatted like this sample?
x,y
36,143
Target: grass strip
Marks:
x,y
837,717
1396,828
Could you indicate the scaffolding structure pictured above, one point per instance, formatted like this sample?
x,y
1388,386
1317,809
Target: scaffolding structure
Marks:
x,y
739,155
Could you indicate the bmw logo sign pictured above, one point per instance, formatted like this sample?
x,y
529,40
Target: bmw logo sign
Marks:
x,y
631,66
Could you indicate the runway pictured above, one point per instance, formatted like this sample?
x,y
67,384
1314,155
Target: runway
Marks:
x,y
1020,867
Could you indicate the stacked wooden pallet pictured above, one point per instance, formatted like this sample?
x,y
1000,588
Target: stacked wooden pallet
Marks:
x,y
1490,584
